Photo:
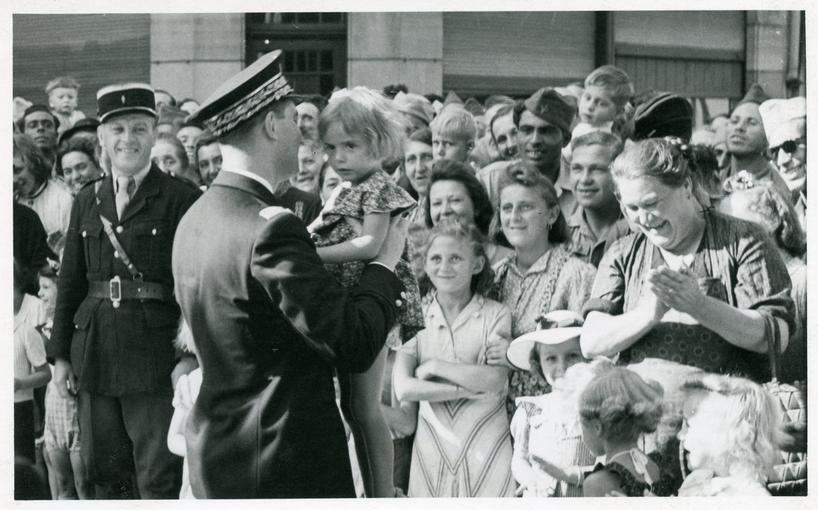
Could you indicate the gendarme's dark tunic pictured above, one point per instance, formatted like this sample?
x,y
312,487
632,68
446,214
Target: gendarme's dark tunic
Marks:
x,y
270,324
130,349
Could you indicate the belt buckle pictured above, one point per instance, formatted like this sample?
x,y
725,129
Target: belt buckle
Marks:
x,y
115,291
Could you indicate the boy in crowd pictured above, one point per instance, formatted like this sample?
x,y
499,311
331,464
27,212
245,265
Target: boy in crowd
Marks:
x,y
453,134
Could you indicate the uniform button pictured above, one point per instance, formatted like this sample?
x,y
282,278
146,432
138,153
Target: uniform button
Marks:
x,y
153,231
116,254
84,233
120,229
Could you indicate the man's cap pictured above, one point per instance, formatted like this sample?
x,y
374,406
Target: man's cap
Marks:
x,y
257,86
755,94
125,98
551,106
452,97
474,107
663,114
559,326
88,124
780,118
414,105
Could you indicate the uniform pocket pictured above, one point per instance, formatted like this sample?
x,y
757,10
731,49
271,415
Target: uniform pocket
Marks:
x,y
92,246
152,246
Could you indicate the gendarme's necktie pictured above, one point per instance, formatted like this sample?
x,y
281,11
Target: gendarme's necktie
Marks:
x,y
124,191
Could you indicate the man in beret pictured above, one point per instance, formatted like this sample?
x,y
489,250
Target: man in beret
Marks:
x,y
747,142
115,318
41,125
543,124
785,123
270,324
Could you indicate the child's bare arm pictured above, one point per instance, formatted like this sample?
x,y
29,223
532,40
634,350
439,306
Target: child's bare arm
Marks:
x,y
40,377
176,433
364,247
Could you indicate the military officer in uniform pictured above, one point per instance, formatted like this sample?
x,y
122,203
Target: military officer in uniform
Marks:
x,y
269,323
116,317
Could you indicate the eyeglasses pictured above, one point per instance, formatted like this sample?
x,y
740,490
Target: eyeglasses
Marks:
x,y
790,146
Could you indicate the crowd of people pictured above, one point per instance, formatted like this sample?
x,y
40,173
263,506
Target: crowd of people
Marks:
x,y
382,293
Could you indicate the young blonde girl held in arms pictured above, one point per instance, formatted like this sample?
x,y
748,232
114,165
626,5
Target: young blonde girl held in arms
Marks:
x,y
462,445
729,436
546,427
360,129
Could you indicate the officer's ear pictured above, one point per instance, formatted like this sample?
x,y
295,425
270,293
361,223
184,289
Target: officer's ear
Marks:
x,y
269,124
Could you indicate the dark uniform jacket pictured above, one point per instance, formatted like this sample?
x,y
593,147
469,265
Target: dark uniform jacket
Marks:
x,y
129,349
269,324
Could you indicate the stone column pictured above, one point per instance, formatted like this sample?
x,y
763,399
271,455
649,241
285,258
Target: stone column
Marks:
x,y
396,47
767,51
192,54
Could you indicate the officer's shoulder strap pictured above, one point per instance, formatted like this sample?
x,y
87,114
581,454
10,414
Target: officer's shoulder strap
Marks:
x,y
268,213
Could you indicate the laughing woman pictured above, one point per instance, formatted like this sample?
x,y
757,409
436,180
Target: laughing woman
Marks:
x,y
692,285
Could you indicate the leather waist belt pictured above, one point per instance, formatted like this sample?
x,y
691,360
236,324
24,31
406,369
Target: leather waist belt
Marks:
x,y
118,290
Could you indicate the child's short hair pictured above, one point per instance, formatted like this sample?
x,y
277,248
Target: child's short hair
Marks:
x,y
623,403
455,122
609,140
364,111
614,79
65,82
481,282
749,417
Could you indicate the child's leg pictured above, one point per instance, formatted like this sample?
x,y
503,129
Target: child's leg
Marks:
x,y
360,403
85,489
52,477
60,464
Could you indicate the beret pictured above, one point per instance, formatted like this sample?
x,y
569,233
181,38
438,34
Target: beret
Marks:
x,y
780,118
663,114
88,124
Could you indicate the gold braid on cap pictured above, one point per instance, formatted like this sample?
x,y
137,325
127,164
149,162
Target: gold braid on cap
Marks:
x,y
249,105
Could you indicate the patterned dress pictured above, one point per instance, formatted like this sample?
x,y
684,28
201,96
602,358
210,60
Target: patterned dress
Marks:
x,y
462,447
736,261
376,194
557,281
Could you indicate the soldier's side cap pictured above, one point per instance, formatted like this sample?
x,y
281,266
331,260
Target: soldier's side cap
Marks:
x,y
551,106
124,98
257,86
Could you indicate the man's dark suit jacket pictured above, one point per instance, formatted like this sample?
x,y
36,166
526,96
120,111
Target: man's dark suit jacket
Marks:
x,y
270,325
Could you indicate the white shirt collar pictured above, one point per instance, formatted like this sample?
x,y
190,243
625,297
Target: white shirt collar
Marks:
x,y
250,175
